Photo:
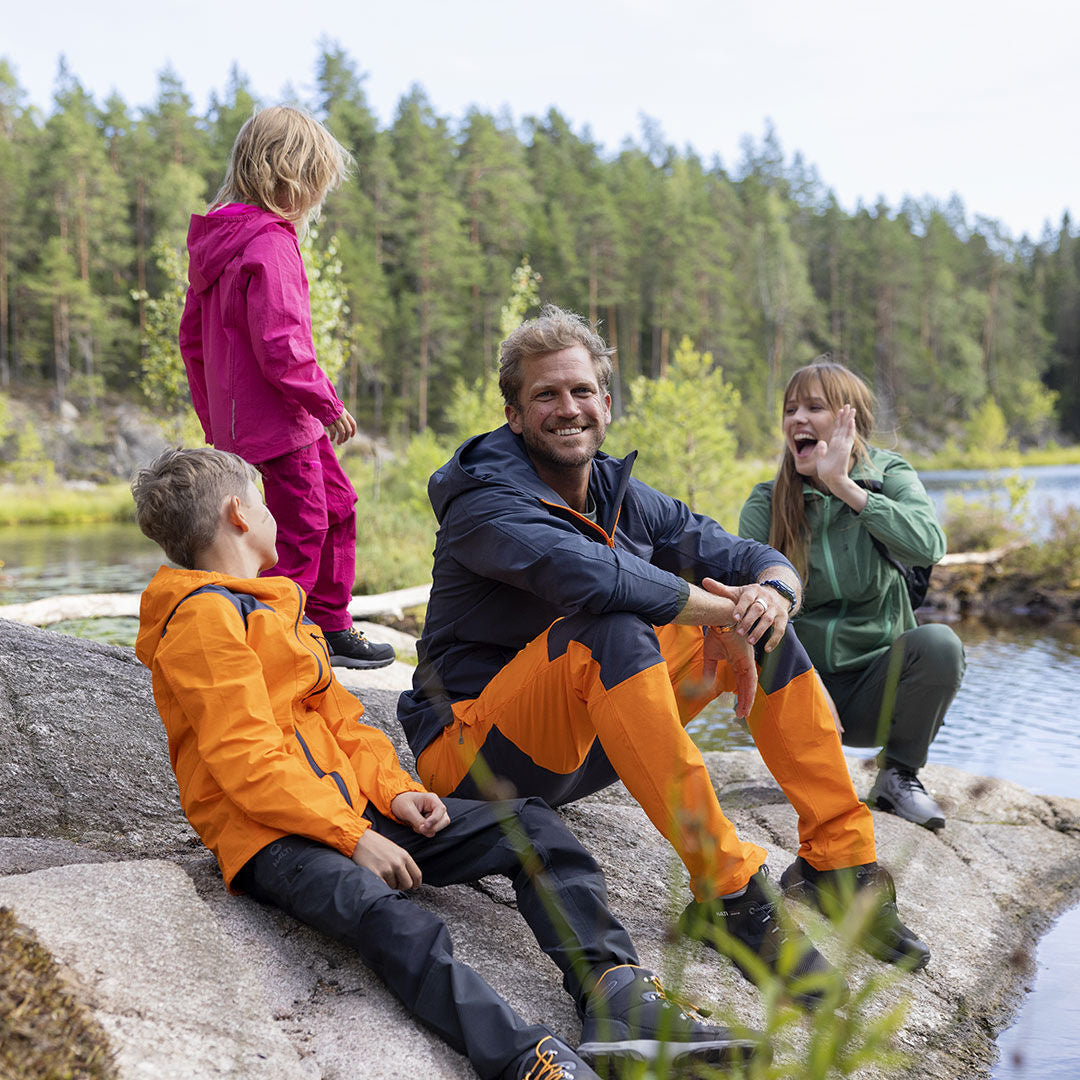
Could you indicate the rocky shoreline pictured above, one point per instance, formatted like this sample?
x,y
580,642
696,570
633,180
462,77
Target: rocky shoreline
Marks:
x,y
191,982
995,592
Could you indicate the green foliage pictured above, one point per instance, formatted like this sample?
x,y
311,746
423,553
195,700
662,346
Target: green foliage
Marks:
x,y
478,406
31,504
986,433
761,267
1030,411
31,465
1056,561
395,528
329,304
684,426
993,520
164,381
45,1031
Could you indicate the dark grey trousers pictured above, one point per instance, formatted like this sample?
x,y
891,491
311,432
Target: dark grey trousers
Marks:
x,y
560,894
899,702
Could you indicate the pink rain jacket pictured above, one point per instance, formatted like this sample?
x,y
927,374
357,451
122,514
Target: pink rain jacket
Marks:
x,y
245,336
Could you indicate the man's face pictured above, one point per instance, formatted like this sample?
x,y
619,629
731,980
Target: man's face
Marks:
x,y
562,416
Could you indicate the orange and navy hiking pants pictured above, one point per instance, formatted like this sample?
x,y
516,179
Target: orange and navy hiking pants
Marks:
x,y
594,699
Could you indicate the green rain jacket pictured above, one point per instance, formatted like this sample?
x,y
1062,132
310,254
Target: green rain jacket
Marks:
x,y
855,604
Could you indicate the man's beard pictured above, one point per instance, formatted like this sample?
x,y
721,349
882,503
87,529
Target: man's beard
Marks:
x,y
542,453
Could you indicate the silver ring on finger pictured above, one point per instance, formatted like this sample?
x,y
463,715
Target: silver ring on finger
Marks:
x,y
764,606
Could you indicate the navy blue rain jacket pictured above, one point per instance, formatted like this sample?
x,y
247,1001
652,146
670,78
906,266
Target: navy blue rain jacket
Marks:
x,y
511,557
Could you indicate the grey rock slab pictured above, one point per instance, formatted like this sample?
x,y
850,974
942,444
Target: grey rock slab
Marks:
x,y
83,753
174,995
84,776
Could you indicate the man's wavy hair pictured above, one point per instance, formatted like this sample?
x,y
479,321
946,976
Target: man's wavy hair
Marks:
x,y
179,495
552,330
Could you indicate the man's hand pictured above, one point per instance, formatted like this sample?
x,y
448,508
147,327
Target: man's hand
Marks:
x,y
759,611
342,429
739,655
383,857
422,811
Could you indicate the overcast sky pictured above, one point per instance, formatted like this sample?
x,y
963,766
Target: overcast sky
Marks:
x,y
926,97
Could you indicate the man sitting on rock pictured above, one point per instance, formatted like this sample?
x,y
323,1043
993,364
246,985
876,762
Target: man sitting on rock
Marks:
x,y
578,620
308,809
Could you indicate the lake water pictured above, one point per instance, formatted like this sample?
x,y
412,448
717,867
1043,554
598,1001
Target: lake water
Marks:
x,y
1053,488
1014,717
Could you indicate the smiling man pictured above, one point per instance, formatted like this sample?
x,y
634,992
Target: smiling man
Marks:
x,y
579,619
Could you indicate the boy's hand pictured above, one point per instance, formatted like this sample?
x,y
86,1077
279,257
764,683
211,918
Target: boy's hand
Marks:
x,y
422,811
383,857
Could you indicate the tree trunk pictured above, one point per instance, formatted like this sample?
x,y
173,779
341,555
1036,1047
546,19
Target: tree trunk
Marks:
x,y
594,286
990,328
883,359
83,231
61,346
140,257
5,372
616,380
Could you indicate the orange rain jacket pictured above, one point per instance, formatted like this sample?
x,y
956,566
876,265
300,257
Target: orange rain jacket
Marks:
x,y
264,741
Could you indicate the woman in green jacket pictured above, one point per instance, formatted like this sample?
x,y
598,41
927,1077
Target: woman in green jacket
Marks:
x,y
890,679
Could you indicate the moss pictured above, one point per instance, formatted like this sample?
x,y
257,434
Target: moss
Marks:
x,y
45,1032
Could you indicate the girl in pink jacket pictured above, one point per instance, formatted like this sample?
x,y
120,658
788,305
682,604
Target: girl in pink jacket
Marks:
x,y
255,381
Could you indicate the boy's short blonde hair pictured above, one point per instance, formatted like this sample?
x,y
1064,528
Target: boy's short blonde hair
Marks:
x,y
179,495
286,162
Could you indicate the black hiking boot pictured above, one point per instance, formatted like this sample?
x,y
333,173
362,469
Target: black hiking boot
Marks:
x,y
550,1059
629,1017
349,648
757,937
836,893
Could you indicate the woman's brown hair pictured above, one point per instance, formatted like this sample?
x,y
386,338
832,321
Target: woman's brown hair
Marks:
x,y
839,386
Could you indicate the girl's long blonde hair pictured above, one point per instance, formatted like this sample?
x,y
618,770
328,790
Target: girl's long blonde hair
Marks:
x,y
788,531
286,162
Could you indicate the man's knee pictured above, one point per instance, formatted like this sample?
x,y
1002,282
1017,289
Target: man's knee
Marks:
x,y
621,642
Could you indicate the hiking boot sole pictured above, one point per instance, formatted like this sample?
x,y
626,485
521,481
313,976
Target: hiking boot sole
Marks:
x,y
933,823
367,665
605,1057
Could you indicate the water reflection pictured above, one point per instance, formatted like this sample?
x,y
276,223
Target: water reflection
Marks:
x,y
1053,488
1043,1044
1014,717
43,560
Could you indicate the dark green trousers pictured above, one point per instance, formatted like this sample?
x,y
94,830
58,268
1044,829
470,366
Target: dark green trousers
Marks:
x,y
899,701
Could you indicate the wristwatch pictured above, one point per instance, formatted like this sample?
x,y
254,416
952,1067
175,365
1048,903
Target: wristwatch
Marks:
x,y
786,591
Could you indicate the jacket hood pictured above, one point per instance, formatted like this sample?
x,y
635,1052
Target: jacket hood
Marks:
x,y
214,240
499,458
169,586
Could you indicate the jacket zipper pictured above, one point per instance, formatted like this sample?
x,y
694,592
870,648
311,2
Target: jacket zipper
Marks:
x,y
830,566
320,773
305,643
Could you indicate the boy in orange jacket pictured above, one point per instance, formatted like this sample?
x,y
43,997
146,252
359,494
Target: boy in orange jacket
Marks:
x,y
308,809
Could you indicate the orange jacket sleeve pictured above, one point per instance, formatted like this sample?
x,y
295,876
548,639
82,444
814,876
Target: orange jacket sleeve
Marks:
x,y
218,684
370,752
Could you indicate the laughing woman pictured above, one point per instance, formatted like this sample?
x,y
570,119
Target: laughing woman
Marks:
x,y
836,506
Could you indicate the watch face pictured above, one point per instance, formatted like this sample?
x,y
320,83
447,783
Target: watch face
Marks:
x,y
783,589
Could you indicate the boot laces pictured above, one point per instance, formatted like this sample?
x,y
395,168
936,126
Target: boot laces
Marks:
x,y
686,1010
909,780
546,1067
